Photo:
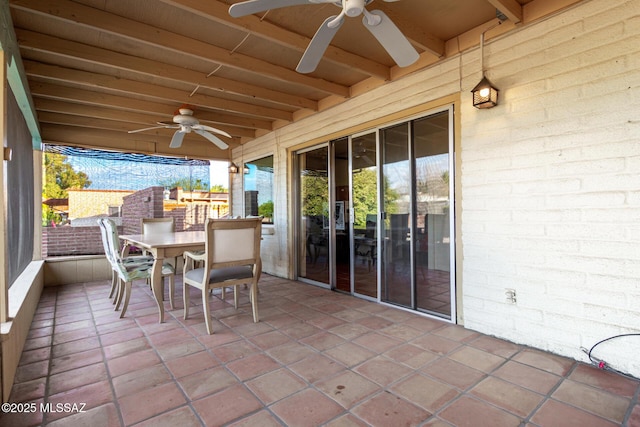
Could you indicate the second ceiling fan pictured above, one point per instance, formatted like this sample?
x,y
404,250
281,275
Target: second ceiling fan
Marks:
x,y
376,21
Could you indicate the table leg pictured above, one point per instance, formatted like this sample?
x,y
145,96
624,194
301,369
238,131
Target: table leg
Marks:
x,y
156,283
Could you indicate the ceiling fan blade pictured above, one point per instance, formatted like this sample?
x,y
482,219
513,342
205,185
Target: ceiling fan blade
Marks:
x,y
319,43
176,140
210,129
392,39
142,130
254,6
217,141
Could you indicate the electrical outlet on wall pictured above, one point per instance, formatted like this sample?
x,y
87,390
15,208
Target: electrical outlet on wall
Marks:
x,y
511,295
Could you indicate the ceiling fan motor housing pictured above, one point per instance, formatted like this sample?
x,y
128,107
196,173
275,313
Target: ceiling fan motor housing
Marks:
x,y
354,8
185,118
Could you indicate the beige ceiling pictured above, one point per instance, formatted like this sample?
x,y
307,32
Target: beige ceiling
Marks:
x,y
99,68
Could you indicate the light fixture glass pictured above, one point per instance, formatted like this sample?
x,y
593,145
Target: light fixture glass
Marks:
x,y
233,168
485,95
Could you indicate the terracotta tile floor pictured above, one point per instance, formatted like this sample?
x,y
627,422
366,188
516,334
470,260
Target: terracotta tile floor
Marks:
x,y
316,358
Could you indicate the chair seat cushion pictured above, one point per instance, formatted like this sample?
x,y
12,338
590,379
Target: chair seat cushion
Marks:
x,y
168,269
221,274
137,259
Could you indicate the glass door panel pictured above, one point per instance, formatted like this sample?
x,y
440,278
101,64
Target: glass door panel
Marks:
x,y
364,184
341,214
396,175
433,223
313,250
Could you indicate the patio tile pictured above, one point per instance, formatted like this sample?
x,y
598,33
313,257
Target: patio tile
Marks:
x,y
290,353
495,346
350,354
141,379
453,373
76,377
605,380
348,388
466,411
383,371
226,406
204,383
306,408
429,394
477,359
192,363
150,403
547,362
558,414
260,419
132,362
323,341
513,398
386,409
410,355
276,385
104,415
92,395
28,391
235,350
436,344
593,400
316,367
319,361
252,366
270,339
528,377
36,355
377,342
183,417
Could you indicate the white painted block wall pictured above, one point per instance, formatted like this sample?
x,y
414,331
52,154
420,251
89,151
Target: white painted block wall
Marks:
x,y
551,186
550,179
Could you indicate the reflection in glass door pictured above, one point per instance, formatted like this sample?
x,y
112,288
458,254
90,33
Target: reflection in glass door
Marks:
x,y
313,250
416,165
396,273
364,186
433,162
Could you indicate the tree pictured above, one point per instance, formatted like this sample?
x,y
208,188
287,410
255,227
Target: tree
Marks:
x,y
60,176
218,188
186,183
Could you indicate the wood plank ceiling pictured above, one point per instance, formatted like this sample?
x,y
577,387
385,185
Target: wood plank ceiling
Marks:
x,y
99,68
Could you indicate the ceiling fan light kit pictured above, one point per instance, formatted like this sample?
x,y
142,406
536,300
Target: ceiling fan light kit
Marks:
x,y
376,21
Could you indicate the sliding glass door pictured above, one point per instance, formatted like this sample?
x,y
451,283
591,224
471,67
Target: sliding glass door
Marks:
x,y
375,214
313,216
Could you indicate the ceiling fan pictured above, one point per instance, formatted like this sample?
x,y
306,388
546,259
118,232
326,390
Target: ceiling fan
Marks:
x,y
185,123
376,21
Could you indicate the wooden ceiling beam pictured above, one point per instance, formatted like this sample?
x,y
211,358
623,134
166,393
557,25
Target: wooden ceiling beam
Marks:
x,y
193,147
81,53
72,13
96,117
86,97
510,8
219,12
133,88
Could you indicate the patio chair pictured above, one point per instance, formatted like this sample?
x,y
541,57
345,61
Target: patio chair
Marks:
x,y
128,260
232,258
127,269
162,225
